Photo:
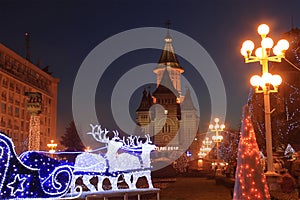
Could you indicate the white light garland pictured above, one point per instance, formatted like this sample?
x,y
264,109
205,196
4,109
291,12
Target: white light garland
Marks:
x,y
128,157
34,133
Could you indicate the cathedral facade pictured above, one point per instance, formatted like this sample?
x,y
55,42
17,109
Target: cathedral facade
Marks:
x,y
168,116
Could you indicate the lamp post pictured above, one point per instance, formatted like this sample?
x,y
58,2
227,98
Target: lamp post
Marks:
x,y
267,83
52,147
205,147
217,138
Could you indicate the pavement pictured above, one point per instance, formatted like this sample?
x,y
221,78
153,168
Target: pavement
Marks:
x,y
195,188
184,188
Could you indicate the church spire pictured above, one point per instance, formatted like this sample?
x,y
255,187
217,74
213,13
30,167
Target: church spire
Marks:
x,y
168,60
168,57
165,86
187,103
146,103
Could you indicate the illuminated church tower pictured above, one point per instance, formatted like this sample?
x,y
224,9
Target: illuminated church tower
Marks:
x,y
169,61
169,117
167,96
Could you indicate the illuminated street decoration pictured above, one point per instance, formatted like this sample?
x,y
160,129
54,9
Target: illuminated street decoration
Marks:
x,y
34,175
289,150
206,147
127,157
52,147
34,106
267,83
250,182
217,138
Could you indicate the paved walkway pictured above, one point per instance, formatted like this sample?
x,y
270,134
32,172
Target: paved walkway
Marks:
x,y
186,188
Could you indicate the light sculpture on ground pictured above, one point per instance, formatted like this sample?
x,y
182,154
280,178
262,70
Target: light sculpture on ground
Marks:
x,y
250,180
34,175
129,158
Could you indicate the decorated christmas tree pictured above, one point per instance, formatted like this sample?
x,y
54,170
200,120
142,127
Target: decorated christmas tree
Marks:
x,y
250,182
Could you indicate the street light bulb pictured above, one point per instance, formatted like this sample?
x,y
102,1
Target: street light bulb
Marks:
x,y
211,126
258,52
276,80
267,43
217,126
217,120
222,126
266,78
283,44
255,80
248,45
263,29
244,52
277,50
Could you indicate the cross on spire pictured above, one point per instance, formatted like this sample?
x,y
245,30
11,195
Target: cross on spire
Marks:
x,y
168,24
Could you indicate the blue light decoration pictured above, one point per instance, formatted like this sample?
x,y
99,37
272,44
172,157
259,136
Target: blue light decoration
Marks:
x,y
188,153
33,176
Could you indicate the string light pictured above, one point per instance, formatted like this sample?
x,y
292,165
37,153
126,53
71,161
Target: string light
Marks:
x,y
287,124
128,157
34,175
250,180
34,133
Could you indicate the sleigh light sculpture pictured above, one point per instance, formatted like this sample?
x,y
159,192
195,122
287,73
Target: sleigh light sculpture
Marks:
x,y
35,175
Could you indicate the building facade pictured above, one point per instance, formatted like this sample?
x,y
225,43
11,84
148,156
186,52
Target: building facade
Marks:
x,y
18,76
168,116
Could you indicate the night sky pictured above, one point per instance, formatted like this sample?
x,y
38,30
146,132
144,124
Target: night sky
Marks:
x,y
64,32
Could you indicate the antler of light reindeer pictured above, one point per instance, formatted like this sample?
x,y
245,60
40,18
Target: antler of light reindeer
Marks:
x,y
99,134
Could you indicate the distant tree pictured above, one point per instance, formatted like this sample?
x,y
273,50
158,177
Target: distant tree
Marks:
x,y
181,164
71,139
229,145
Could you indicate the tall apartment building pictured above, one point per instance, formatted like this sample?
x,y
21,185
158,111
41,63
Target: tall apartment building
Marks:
x,y
18,76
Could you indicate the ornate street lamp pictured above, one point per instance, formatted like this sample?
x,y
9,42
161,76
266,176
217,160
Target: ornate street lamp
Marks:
x,y
217,138
206,147
87,149
52,146
267,83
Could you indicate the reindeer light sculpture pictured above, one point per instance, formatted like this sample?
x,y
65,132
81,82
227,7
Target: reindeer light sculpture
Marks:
x,y
129,158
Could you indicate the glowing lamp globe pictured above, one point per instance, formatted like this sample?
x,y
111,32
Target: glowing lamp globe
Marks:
x,y
244,52
248,45
267,43
276,80
258,52
52,151
222,126
217,126
277,50
217,120
283,44
217,138
266,78
263,29
211,126
255,80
